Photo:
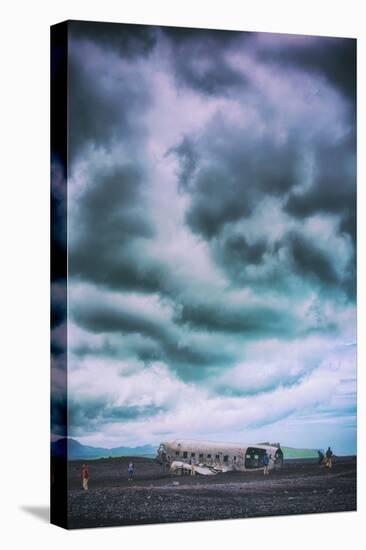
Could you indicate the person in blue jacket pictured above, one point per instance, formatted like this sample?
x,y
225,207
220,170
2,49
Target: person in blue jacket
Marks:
x,y
265,462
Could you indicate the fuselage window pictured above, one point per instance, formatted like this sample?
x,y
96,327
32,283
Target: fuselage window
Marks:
x,y
226,458
201,455
208,456
185,454
217,457
193,455
176,453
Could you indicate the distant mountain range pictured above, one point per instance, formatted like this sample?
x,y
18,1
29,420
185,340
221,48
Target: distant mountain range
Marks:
x,y
78,451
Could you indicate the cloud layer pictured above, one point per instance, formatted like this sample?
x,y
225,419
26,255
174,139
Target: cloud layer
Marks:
x,y
211,236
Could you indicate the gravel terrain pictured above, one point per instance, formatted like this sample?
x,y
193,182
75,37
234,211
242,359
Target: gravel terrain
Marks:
x,y
155,496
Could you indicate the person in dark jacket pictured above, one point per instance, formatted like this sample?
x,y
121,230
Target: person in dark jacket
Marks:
x,y
328,457
320,457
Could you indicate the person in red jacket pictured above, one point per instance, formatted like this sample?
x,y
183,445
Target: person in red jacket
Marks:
x,y
85,476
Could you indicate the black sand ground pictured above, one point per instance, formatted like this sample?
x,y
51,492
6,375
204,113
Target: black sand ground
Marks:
x,y
155,496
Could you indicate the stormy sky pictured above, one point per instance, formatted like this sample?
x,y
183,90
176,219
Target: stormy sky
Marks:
x,y
211,226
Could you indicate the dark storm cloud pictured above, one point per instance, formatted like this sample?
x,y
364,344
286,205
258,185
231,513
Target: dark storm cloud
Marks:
x,y
311,261
308,259
94,118
293,254
333,189
112,204
282,380
162,341
333,58
200,63
240,169
105,100
131,345
88,414
129,41
120,268
227,171
236,251
99,318
111,216
188,160
236,256
248,321
348,223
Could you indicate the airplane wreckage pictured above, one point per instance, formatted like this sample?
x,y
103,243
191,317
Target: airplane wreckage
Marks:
x,y
189,457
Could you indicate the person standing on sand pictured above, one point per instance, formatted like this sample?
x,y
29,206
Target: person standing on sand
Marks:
x,y
328,456
85,476
265,462
320,457
271,462
131,469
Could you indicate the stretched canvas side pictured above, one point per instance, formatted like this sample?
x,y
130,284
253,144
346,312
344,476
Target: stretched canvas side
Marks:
x,y
59,145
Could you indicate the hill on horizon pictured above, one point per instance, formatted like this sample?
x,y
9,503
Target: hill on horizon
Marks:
x,y
291,452
77,450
